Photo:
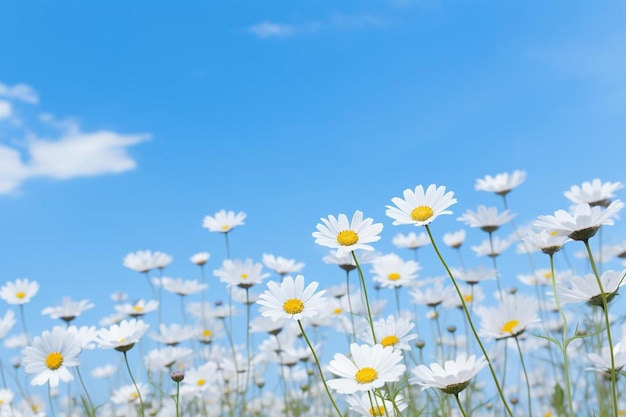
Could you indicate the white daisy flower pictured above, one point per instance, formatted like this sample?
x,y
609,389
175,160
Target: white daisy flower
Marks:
x,y
68,310
173,334
140,261
586,289
454,239
594,193
200,258
411,241
369,368
223,221
280,265
122,337
491,248
392,271
392,332
346,262
583,223
6,323
347,236
127,394
19,292
50,356
452,378
291,299
244,274
502,183
137,309
602,362
514,314
180,286
421,207
546,241
486,218
161,260
376,405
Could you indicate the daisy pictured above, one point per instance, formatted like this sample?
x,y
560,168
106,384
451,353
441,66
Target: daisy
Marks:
x,y
165,358
223,221
200,258
586,288
86,336
6,323
137,309
475,275
454,239
173,334
180,286
486,218
392,271
583,223
50,356
420,208
161,260
122,337
346,262
392,332
546,241
280,265
594,193
452,378
376,405
602,362
127,394
514,315
502,183
431,296
68,310
19,292
291,300
491,248
200,379
244,274
140,261
347,236
368,368
411,241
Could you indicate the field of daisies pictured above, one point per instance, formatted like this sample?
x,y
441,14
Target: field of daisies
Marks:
x,y
467,342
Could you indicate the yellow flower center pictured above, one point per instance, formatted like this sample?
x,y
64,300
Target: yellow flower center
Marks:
x,y
137,308
553,233
225,227
468,298
366,375
377,411
394,276
337,311
244,276
293,306
20,295
201,382
347,238
547,275
509,326
134,396
422,213
389,341
54,360
207,333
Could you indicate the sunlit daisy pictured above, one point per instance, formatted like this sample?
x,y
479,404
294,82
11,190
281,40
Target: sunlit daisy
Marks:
x,y
200,258
180,286
586,289
431,296
346,262
280,265
546,241
122,337
200,379
475,275
140,261
244,274
500,184
602,362
347,236
173,334
367,368
19,292
291,299
491,248
127,394
594,193
375,405
223,221
583,223
50,356
392,271
68,310
486,218
392,331
138,308
163,359
86,336
419,207
6,323
454,239
452,378
513,315
411,241
6,396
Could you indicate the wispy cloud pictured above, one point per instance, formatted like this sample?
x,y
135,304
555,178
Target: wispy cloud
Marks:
x,y
335,21
67,153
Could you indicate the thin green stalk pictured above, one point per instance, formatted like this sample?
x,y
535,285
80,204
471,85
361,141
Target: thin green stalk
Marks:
x,y
564,344
456,396
319,368
605,309
92,409
134,383
470,321
521,358
350,305
367,302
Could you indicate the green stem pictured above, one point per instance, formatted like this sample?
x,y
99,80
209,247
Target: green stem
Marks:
x,y
132,378
470,321
521,358
367,303
319,368
456,396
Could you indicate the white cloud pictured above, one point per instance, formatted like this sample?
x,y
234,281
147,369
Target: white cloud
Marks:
x,y
6,110
271,30
22,92
67,153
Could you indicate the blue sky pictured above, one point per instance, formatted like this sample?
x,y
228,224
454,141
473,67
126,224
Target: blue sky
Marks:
x,y
289,111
